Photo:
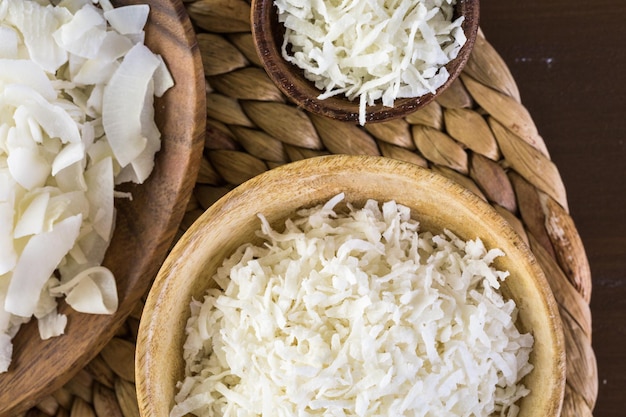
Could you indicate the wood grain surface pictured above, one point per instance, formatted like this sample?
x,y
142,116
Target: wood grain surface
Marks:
x,y
569,62
145,226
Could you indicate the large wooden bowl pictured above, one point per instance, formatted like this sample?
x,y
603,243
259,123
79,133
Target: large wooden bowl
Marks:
x,y
435,201
145,227
268,35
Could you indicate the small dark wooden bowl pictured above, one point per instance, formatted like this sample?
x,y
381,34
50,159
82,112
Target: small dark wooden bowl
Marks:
x,y
268,36
145,227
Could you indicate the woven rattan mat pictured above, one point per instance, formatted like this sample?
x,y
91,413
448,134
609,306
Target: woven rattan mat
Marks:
x,y
478,134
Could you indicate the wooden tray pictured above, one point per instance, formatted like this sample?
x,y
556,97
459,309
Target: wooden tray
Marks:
x,y
478,134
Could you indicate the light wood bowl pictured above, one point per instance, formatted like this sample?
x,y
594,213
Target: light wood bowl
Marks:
x,y
268,35
145,226
435,201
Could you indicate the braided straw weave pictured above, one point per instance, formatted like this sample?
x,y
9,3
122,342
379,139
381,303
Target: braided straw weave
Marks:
x,y
477,134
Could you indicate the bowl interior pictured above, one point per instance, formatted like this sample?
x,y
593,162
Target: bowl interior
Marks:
x,y
268,35
145,226
434,200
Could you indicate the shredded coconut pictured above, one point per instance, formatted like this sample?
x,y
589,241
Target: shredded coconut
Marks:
x,y
355,312
372,50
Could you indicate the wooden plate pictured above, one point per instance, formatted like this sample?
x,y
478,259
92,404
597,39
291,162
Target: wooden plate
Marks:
x,y
145,226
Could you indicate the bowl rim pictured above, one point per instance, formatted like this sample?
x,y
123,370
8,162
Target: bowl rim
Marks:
x,y
157,301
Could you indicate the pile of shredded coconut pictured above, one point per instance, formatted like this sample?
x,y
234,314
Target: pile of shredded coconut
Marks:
x,y
77,86
372,50
355,314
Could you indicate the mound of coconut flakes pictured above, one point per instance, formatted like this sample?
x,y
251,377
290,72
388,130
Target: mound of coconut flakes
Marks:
x,y
77,87
355,314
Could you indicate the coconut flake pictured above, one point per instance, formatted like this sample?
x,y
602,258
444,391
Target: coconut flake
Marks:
x,y
6,351
51,325
7,246
8,43
27,73
83,34
28,167
51,116
91,291
36,23
99,179
128,19
123,102
163,79
31,218
37,263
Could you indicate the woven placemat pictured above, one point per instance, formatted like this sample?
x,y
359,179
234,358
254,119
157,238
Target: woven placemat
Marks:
x,y
478,134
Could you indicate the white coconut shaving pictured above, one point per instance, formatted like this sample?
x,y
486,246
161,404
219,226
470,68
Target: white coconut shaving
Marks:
x,y
76,118
372,50
355,314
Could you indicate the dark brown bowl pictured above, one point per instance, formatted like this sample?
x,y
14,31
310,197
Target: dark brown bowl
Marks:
x,y
268,36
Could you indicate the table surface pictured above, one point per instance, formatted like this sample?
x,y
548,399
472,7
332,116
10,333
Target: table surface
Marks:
x,y
569,62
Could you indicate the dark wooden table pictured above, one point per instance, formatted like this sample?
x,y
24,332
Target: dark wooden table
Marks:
x,y
569,60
